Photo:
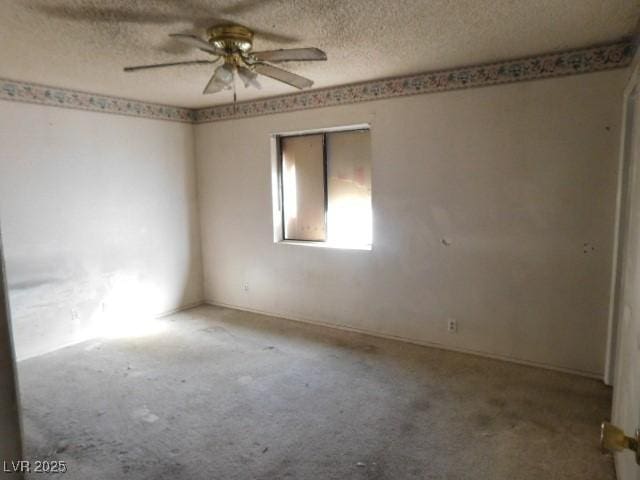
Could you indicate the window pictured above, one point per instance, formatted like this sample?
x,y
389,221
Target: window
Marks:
x,y
324,188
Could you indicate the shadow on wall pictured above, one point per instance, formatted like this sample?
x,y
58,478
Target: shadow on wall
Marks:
x,y
10,430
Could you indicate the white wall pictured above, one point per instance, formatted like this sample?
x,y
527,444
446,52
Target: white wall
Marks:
x,y
95,209
519,178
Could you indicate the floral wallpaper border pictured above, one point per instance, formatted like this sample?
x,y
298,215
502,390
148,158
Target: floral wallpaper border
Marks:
x,y
61,97
586,60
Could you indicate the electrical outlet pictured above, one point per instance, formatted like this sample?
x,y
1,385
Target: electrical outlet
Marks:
x,y
74,314
245,286
452,326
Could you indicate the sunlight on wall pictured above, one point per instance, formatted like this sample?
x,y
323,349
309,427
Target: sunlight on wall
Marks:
x,y
127,309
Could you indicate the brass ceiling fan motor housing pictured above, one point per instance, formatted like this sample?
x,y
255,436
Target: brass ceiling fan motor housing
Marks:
x,y
231,38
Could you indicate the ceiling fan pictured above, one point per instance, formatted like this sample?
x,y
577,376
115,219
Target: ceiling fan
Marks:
x,y
234,45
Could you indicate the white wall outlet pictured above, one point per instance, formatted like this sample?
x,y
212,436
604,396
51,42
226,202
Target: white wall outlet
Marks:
x,y
245,286
452,326
74,314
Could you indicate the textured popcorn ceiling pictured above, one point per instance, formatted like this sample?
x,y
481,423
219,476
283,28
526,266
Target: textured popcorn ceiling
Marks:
x,y
83,44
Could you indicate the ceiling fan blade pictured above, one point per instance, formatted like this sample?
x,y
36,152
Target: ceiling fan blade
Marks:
x,y
248,77
274,37
197,42
192,13
221,79
282,75
243,6
107,14
174,64
290,54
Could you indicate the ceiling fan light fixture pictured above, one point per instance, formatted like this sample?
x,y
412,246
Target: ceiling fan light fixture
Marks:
x,y
222,78
224,73
249,78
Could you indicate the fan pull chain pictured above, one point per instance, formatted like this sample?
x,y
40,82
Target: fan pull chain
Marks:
x,y
234,96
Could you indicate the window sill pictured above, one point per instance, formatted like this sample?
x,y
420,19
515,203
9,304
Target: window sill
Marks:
x,y
326,245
